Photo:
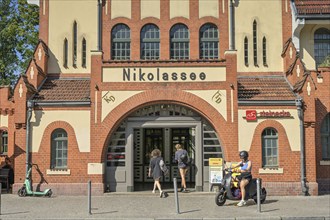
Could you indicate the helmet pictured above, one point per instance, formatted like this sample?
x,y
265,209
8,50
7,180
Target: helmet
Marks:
x,y
243,154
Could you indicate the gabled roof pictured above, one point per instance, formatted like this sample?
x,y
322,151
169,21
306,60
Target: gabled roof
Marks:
x,y
64,90
265,89
312,7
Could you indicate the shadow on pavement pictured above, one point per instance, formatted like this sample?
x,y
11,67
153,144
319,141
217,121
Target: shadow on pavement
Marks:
x,y
100,213
13,213
197,210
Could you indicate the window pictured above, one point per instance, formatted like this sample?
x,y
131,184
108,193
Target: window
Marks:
x,y
83,58
150,42
59,156
325,137
269,148
65,53
255,54
321,45
179,37
75,41
246,51
3,142
264,51
121,42
209,42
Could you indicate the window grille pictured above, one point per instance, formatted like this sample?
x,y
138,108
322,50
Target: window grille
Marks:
x,y
264,51
84,49
75,41
179,36
59,147
209,42
255,48
321,45
150,42
121,42
325,138
269,148
246,52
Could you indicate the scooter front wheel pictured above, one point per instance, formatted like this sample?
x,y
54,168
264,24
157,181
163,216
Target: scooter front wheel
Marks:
x,y
22,192
220,198
49,193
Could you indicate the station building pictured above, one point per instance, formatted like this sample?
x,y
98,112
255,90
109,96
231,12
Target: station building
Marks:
x,y
112,80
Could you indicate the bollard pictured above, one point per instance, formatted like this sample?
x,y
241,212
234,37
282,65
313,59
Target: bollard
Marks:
x,y
89,197
258,196
176,197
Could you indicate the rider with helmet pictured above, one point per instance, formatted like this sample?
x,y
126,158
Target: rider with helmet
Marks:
x,y
245,174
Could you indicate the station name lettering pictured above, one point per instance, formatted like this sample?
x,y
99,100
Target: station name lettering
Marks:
x,y
138,75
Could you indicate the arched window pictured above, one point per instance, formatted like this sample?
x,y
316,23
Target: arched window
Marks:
x,y
59,148
269,148
179,37
321,45
3,142
246,51
121,42
209,42
325,137
255,48
65,53
150,42
75,42
264,51
84,49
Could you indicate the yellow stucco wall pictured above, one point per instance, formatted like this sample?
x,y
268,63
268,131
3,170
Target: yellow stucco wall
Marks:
x,y
120,8
150,8
307,43
208,8
179,8
4,121
41,119
111,99
62,15
216,98
269,25
246,129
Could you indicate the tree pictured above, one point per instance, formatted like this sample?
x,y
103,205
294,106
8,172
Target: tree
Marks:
x,y
18,37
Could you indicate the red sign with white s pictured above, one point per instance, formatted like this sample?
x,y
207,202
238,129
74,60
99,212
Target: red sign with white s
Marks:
x,y
251,115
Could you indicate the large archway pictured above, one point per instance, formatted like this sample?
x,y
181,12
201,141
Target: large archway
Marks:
x,y
160,126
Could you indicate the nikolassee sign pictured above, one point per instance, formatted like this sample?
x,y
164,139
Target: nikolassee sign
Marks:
x,y
163,74
252,115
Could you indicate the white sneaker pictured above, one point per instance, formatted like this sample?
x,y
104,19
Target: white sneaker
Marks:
x,y
241,203
153,191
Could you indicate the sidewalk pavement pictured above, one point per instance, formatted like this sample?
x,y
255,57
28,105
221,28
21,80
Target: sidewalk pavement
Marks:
x,y
148,206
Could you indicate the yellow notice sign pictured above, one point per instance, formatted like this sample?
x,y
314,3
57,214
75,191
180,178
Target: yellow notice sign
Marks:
x,y
215,170
215,162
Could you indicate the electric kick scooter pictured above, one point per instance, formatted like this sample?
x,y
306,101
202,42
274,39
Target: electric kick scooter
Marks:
x,y
26,189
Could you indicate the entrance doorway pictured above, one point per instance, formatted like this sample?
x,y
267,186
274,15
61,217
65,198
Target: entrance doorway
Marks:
x,y
165,140
159,126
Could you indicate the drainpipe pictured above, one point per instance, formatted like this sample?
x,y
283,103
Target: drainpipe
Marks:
x,y
304,187
99,42
231,26
30,106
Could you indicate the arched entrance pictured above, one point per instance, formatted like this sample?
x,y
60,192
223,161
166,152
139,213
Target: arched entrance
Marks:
x,y
159,126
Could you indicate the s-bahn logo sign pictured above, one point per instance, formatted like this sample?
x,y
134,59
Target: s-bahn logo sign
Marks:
x,y
252,115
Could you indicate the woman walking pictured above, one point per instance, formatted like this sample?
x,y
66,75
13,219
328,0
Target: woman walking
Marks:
x,y
183,167
155,171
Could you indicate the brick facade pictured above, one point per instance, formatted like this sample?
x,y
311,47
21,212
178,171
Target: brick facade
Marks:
x,y
316,104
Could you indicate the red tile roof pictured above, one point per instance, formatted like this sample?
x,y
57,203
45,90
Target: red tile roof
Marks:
x,y
64,90
312,7
264,88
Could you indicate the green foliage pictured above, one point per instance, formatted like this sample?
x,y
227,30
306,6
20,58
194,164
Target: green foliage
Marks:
x,y
18,37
